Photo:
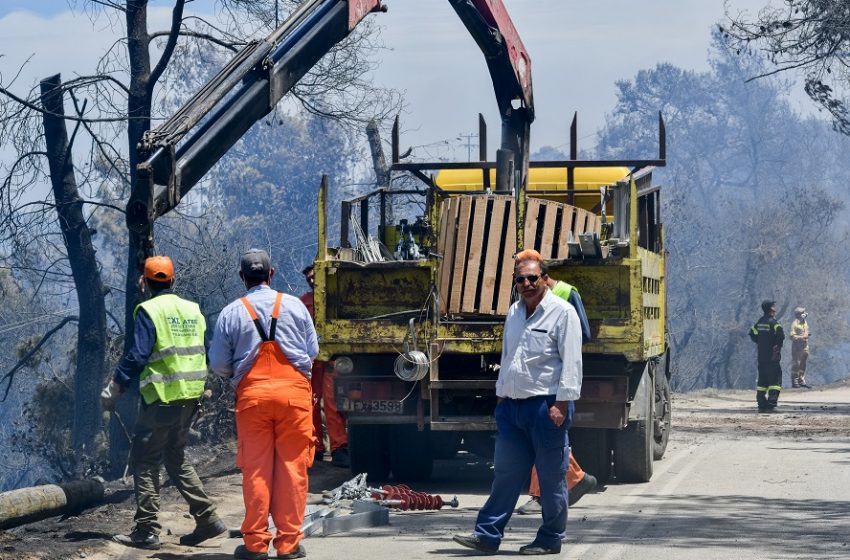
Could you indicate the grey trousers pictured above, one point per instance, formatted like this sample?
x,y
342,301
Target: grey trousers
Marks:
x,y
161,434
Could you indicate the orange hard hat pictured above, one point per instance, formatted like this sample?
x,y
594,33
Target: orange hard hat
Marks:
x,y
159,269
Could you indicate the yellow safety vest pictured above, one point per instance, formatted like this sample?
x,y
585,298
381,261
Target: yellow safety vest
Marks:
x,y
177,367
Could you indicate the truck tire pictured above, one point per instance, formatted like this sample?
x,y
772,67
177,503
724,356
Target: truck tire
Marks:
x,y
592,452
663,416
445,445
633,448
368,448
411,458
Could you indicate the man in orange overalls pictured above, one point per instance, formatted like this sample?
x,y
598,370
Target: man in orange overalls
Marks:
x,y
265,343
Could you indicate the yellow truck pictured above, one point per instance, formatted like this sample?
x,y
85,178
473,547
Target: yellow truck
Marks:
x,y
411,312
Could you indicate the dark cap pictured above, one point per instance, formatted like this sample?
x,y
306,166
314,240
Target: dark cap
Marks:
x,y
307,269
255,264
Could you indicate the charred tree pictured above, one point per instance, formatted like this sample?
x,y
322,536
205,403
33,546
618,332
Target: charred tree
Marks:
x,y
91,334
379,164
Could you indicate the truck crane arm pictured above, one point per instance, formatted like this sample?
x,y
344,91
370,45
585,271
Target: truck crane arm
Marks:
x,y
251,85
243,92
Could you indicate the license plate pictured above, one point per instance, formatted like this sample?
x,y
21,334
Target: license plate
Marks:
x,y
378,406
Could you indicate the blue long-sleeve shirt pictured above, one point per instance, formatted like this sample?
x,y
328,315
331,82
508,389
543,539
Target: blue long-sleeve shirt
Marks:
x,y
236,343
135,360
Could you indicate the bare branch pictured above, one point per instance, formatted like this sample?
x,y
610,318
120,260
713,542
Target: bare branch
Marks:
x,y
176,23
35,107
109,4
10,375
232,46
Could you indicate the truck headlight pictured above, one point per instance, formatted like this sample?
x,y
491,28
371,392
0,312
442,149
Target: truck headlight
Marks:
x,y
343,365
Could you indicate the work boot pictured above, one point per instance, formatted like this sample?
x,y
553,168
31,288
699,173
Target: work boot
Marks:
x,y
761,399
299,552
200,534
795,385
584,486
474,542
531,507
139,538
319,456
805,385
767,409
340,458
772,398
537,548
243,553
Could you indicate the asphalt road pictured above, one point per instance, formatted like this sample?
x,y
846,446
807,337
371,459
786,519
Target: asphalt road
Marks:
x,y
733,485
749,486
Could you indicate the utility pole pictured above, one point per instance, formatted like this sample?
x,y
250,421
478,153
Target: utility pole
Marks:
x,y
469,144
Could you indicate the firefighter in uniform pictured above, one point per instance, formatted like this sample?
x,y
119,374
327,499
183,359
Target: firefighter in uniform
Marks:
x,y
799,348
768,335
169,358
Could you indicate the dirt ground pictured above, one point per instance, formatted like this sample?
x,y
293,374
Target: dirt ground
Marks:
x,y
88,534
803,446
820,412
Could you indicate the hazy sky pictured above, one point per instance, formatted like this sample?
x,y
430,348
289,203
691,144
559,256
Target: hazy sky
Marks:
x,y
578,50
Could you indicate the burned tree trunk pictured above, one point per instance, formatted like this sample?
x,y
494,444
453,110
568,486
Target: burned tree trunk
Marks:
x,y
379,164
26,505
91,334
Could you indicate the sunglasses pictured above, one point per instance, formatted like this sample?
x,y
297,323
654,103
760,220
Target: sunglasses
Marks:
x,y
532,278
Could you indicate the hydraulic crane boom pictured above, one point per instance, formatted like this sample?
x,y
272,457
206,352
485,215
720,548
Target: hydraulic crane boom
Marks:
x,y
251,85
263,71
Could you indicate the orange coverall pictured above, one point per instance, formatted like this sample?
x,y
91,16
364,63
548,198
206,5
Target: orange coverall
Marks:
x,y
574,476
275,445
322,381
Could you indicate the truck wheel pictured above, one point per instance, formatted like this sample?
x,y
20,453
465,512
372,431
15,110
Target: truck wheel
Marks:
x,y
592,452
663,416
411,458
368,447
633,452
445,445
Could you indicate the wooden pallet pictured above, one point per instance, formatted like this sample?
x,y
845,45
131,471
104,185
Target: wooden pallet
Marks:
x,y
477,240
548,226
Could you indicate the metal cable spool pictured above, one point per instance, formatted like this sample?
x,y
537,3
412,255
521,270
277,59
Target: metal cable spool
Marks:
x,y
411,366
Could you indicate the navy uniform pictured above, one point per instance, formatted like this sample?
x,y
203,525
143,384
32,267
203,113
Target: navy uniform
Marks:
x,y
768,335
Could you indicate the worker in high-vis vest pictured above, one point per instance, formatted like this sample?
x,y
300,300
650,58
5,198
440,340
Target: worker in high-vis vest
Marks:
x,y
168,358
265,343
579,482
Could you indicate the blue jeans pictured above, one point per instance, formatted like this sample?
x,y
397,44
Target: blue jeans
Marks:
x,y
526,436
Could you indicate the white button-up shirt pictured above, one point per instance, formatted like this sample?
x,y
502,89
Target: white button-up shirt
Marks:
x,y
541,354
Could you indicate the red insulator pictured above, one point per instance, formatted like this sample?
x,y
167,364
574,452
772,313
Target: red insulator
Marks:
x,y
411,499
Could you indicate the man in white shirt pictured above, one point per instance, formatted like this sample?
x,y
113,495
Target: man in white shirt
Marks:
x,y
539,378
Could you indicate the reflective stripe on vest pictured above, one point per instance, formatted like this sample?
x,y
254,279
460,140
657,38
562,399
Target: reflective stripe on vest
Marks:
x,y
177,367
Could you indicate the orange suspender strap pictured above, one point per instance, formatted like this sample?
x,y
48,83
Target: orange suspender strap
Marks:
x,y
255,318
275,311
